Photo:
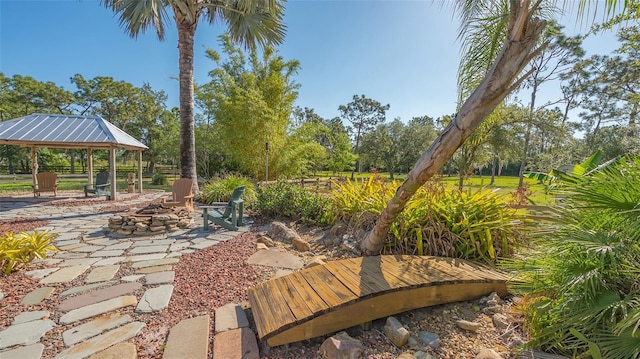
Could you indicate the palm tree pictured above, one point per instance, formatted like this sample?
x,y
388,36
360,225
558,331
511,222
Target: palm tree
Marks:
x,y
496,68
249,22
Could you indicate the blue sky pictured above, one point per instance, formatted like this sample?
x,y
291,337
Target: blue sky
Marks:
x,y
402,53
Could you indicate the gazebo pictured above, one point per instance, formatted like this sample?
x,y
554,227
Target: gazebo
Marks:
x,y
71,131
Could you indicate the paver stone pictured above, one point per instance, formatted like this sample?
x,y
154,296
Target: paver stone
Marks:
x,y
101,274
118,351
30,316
146,257
94,327
109,253
149,249
189,339
275,258
98,308
160,277
101,342
155,299
236,344
148,270
40,273
33,351
156,262
230,316
87,249
109,261
64,275
132,278
25,333
78,262
98,296
37,296
84,288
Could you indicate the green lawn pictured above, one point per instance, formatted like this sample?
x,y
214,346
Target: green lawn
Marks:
x,y
10,186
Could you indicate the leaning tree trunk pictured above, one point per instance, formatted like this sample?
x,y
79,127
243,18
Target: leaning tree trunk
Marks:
x,y
519,48
186,31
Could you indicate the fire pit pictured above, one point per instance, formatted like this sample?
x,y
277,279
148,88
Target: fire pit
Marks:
x,y
153,218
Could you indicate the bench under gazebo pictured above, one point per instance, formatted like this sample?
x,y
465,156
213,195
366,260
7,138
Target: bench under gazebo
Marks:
x,y
71,132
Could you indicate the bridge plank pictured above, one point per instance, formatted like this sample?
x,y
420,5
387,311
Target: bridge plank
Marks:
x,y
313,301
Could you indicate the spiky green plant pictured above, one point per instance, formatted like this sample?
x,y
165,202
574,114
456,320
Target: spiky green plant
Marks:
x,y
17,250
438,220
584,272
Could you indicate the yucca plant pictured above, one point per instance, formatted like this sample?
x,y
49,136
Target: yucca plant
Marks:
x,y
436,221
18,250
584,273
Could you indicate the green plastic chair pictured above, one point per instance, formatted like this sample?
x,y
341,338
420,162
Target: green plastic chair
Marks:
x,y
231,217
100,187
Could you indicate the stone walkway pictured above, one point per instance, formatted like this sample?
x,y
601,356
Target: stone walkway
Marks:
x,y
85,248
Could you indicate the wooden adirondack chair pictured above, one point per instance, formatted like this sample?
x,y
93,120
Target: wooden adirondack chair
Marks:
x,y
231,218
100,187
47,182
181,194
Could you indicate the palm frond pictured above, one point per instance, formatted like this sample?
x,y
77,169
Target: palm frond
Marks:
x,y
138,16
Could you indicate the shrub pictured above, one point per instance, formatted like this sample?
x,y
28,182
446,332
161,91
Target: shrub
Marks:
x,y
159,179
220,189
581,279
17,250
292,201
436,220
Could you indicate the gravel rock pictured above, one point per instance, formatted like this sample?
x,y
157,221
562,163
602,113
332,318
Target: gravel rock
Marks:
x,y
500,321
466,325
430,339
488,354
423,355
406,355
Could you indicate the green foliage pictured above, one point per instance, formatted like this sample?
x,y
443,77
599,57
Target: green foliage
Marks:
x,y
220,189
437,220
17,250
251,98
159,179
583,273
291,201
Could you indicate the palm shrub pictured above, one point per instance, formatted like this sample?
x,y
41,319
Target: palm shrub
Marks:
x,y
18,250
437,220
581,278
291,201
219,189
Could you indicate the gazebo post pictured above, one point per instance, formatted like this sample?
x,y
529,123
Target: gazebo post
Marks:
x,y
139,171
112,166
90,166
34,166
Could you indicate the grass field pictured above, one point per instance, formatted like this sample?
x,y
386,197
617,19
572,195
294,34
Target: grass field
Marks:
x,y
70,184
504,185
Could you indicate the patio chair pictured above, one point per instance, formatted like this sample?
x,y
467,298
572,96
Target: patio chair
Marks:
x,y
231,218
181,194
100,187
47,182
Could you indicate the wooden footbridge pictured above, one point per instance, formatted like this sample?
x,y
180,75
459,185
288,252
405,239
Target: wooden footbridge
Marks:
x,y
327,298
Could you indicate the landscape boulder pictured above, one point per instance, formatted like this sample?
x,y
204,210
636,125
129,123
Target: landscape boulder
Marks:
x,y
280,232
342,346
394,330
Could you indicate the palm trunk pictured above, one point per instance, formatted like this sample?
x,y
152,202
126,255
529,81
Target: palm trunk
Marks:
x,y
186,32
519,48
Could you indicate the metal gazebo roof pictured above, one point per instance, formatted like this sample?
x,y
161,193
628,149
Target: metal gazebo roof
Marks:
x,y
65,131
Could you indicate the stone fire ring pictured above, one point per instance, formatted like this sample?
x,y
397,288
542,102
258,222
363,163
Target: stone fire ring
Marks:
x,y
146,223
